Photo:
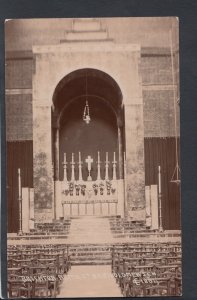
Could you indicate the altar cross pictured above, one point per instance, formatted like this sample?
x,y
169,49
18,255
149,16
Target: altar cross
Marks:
x,y
89,161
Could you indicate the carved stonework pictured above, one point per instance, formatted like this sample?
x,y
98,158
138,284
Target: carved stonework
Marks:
x,y
43,215
42,182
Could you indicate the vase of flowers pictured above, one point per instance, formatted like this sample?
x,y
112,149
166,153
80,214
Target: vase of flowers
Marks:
x,y
108,186
83,189
95,188
101,187
71,188
77,188
113,190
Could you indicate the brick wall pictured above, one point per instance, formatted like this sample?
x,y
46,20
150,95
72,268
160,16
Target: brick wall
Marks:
x,y
19,117
156,72
159,114
156,69
158,97
18,73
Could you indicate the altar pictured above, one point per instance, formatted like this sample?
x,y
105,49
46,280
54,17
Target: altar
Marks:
x,y
85,196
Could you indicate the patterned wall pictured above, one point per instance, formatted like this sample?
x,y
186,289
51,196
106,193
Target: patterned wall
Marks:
x,y
156,73
19,117
157,152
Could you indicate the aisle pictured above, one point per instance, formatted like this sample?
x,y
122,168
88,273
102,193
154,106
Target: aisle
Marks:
x,y
89,281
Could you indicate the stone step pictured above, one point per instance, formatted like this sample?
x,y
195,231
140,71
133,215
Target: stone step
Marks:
x,y
90,257
86,35
94,262
86,25
88,254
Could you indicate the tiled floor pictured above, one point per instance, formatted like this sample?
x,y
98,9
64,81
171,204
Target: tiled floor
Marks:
x,y
89,281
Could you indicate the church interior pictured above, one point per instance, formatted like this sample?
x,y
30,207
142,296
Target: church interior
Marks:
x,y
93,158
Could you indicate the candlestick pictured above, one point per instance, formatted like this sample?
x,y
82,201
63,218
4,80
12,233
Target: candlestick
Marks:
x,y
106,167
106,157
65,168
80,168
159,175
114,167
72,168
79,157
19,183
98,157
98,167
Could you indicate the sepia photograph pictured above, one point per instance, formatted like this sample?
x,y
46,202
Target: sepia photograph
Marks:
x,y
93,157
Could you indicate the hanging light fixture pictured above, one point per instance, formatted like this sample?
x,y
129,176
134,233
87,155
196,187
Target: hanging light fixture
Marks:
x,y
176,174
86,113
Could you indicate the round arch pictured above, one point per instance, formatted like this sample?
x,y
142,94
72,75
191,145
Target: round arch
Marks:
x,y
74,88
99,84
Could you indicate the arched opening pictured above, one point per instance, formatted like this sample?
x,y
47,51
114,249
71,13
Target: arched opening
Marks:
x,y
101,142
105,131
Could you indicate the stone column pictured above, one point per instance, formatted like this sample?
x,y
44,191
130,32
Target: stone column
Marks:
x,y
56,173
135,161
42,162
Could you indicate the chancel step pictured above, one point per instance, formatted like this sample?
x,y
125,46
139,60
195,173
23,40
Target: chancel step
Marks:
x,y
85,35
86,25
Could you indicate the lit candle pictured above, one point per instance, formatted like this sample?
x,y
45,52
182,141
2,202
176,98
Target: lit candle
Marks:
x,y
98,167
106,167
159,175
64,158
72,158
80,167
19,183
98,157
106,157
114,167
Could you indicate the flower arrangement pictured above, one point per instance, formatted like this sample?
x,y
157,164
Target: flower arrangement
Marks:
x,y
83,189
95,188
71,188
113,190
108,186
66,192
101,186
77,188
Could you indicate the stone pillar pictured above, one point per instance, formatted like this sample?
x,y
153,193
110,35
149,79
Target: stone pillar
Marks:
x,y
148,205
56,154
31,208
25,209
154,207
42,162
134,132
56,172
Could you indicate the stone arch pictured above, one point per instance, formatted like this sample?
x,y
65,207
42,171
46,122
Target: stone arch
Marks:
x,y
72,88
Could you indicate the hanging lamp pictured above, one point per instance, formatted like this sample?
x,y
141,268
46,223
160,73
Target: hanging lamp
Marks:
x,y
176,174
86,112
